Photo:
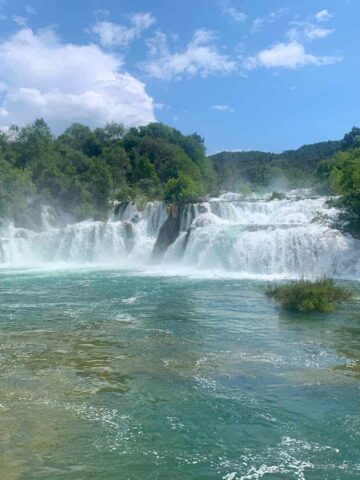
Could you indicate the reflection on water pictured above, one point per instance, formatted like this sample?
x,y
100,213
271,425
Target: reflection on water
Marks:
x,y
112,375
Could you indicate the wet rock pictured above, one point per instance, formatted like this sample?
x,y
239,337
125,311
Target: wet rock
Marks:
x,y
129,236
169,232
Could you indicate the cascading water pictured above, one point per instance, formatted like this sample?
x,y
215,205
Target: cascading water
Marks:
x,y
252,237
257,237
126,238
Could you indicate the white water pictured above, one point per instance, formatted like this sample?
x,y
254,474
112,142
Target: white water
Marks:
x,y
253,237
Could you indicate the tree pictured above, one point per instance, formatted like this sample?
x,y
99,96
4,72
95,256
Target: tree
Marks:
x,y
181,189
15,188
345,181
112,132
118,162
31,141
351,139
80,137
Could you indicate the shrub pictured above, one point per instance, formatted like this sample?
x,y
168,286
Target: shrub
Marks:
x,y
182,189
307,296
277,196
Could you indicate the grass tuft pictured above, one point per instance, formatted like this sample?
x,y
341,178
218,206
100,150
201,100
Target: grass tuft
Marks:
x,y
309,296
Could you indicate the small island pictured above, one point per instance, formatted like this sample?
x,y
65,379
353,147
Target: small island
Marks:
x,y
309,296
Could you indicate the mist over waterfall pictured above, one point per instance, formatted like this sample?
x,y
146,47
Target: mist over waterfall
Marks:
x,y
251,236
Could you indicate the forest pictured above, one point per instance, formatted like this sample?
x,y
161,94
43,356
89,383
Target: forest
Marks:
x,y
85,171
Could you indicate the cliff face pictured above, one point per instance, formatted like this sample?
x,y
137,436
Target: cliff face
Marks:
x,y
170,230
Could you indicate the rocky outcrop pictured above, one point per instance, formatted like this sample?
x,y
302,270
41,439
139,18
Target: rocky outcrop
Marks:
x,y
170,230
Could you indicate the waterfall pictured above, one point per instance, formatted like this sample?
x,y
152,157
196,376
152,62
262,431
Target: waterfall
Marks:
x,y
127,238
249,236
258,237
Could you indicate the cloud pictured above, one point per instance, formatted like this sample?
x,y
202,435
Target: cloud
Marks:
x,y
260,22
114,35
200,57
30,10
233,12
287,55
307,32
21,21
323,16
161,106
67,83
223,108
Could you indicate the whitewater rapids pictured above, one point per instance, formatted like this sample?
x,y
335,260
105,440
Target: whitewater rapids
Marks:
x,y
255,237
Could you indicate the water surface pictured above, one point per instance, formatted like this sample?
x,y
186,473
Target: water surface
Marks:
x,y
122,375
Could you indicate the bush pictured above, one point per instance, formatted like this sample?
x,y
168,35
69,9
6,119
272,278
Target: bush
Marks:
x,y
182,189
306,296
277,196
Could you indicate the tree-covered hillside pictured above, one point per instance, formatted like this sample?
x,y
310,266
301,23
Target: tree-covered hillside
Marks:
x,y
292,168
84,170
331,167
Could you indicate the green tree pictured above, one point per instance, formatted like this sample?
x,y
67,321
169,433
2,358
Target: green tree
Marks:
x,y
181,189
15,188
30,142
345,181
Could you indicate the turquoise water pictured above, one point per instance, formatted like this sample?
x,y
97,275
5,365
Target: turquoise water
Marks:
x,y
123,375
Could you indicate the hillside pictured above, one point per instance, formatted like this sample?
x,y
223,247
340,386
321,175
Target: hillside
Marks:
x,y
293,167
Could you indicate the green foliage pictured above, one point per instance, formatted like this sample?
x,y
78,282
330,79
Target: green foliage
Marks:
x,y
351,139
182,189
344,179
306,296
30,142
85,170
14,185
290,169
277,196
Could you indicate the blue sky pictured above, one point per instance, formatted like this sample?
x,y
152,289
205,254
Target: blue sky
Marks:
x,y
245,74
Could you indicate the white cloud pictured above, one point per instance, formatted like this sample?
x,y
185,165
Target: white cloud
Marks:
x,y
21,21
67,83
200,57
233,12
161,106
314,33
111,34
30,10
305,31
223,108
259,22
323,16
287,55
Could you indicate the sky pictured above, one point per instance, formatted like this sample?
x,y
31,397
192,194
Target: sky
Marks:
x,y
244,74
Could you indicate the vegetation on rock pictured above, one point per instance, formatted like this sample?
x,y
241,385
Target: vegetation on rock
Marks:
x,y
308,296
